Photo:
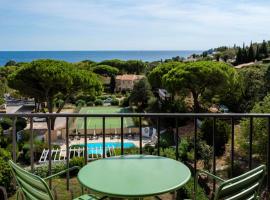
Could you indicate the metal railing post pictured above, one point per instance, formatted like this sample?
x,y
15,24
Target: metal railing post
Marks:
x,y
67,151
158,132
140,132
195,157
122,136
50,151
176,139
85,141
103,137
232,147
31,144
214,152
14,140
250,142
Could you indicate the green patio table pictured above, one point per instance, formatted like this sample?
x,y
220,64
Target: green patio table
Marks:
x,y
134,176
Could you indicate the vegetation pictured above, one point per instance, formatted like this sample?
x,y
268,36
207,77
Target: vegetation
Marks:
x,y
260,129
44,79
197,78
222,131
141,94
5,171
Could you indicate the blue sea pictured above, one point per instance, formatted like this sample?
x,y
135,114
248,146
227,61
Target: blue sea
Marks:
x,y
76,56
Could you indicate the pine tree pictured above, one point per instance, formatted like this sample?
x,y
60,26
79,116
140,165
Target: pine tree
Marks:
x,y
239,57
263,50
257,55
244,54
251,54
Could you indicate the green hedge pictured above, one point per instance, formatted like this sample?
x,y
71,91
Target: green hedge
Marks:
x,y
5,171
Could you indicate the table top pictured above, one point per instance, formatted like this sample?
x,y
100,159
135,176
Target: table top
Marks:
x,y
134,175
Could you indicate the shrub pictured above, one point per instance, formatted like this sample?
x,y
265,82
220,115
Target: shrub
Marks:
x,y
21,123
186,192
43,170
125,102
115,102
127,151
5,171
80,103
166,139
90,103
76,161
221,134
184,147
59,103
98,102
6,123
168,152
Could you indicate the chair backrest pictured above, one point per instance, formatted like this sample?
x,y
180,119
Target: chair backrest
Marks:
x,y
243,187
33,187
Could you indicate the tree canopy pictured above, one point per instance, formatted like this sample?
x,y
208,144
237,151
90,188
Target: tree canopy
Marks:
x,y
141,94
155,76
129,66
198,77
105,70
44,79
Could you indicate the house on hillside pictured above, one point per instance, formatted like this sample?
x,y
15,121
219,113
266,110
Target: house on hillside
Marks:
x,y
126,82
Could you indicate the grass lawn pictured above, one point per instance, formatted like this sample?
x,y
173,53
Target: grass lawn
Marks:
x,y
110,122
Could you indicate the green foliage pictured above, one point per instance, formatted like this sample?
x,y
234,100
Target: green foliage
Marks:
x,y
125,102
6,123
43,170
260,130
228,54
90,103
45,79
10,63
166,139
98,102
186,192
156,74
80,103
127,151
168,152
76,161
21,124
5,171
254,80
141,94
198,77
185,146
105,70
130,66
59,103
115,102
221,134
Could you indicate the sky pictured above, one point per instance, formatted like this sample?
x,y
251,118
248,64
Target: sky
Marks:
x,y
131,24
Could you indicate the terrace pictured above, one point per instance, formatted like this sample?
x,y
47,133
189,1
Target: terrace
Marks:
x,y
158,118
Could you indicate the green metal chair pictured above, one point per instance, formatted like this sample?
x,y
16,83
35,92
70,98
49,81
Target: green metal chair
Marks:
x,y
243,187
33,187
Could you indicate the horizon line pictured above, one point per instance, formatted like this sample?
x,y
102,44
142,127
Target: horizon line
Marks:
x,y
106,50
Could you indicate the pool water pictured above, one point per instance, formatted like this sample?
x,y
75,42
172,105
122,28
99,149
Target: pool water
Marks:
x,y
96,148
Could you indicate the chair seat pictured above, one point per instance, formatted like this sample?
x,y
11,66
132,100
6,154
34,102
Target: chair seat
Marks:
x,y
87,197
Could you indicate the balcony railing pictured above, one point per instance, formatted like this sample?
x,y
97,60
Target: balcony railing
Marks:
x,y
158,118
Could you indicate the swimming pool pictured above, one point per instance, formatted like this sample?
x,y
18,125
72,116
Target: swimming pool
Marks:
x,y
96,148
